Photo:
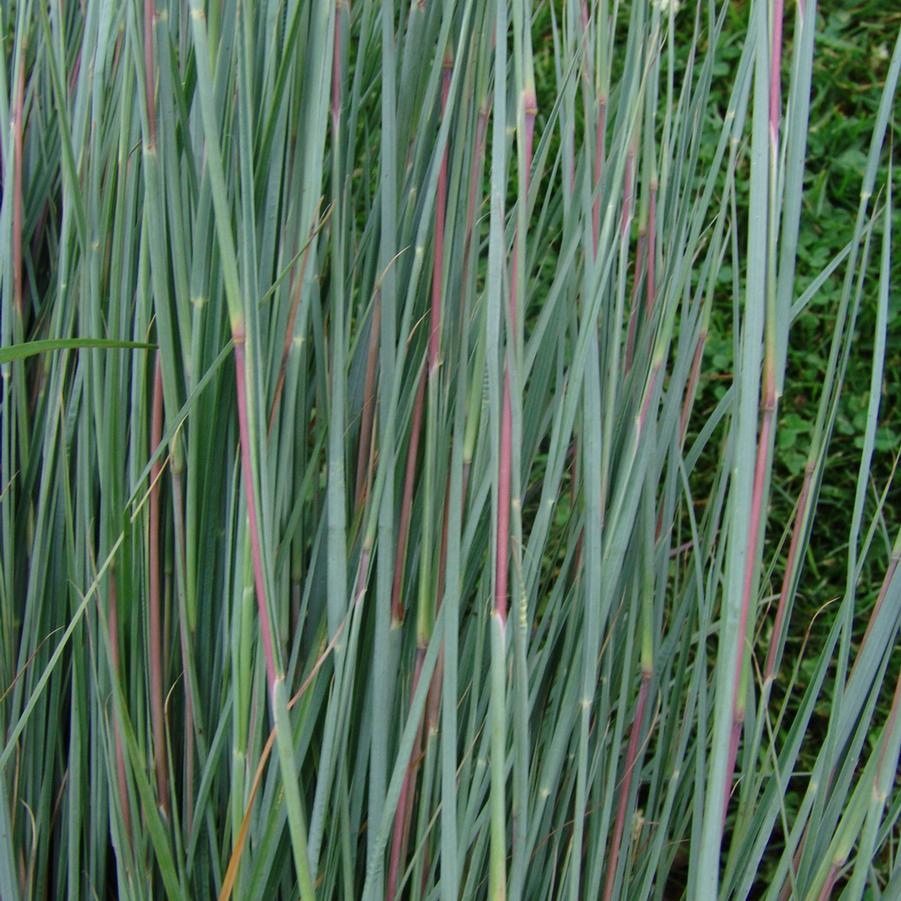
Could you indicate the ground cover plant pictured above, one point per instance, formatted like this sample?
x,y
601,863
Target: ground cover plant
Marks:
x,y
398,492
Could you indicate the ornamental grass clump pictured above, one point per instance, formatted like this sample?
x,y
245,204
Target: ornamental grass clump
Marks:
x,y
374,520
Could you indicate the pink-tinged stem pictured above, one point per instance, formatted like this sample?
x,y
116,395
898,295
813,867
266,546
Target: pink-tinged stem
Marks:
x,y
296,290
763,443
631,759
757,499
775,109
404,814
796,860
689,399
474,170
18,152
117,51
405,803
829,884
362,575
889,575
474,182
692,384
189,757
179,514
231,873
889,728
627,190
789,574
156,657
530,106
149,16
414,775
76,68
154,600
649,393
598,170
113,625
366,435
256,553
434,701
433,705
442,553
440,213
433,708
633,316
406,507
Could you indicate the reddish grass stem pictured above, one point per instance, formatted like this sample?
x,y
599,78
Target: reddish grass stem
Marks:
x,y
433,706
757,499
366,416
631,759
403,816
649,394
883,591
690,389
474,171
628,190
440,213
238,338
788,576
185,639
154,600
826,892
767,421
296,292
633,316
406,506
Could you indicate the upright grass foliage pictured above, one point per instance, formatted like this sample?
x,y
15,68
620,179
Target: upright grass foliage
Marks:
x,y
360,536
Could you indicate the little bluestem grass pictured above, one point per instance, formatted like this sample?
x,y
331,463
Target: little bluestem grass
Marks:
x,y
360,535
